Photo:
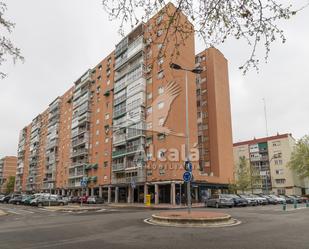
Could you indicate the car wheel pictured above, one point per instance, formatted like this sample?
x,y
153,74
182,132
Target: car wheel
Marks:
x,y
61,204
40,205
18,203
217,205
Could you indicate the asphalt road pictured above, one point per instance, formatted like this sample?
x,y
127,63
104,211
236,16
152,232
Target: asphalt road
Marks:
x,y
262,227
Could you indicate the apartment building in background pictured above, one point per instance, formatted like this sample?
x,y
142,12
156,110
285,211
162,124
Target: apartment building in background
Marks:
x,y
121,127
7,169
268,157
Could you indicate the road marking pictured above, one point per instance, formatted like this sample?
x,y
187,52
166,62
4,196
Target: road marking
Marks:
x,y
13,212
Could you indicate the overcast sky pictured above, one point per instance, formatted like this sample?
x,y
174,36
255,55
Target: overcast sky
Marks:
x,y
61,39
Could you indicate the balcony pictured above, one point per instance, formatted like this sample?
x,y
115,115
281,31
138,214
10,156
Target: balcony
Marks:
x,y
52,144
78,164
134,148
120,99
119,113
80,141
79,152
76,175
119,138
128,180
121,84
119,153
118,167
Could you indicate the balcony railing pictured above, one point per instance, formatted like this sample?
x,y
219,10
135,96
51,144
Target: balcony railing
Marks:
x,y
80,141
79,152
118,113
119,153
128,180
120,99
118,167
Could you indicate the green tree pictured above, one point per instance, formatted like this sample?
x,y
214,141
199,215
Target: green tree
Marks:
x,y
7,48
10,184
243,175
300,157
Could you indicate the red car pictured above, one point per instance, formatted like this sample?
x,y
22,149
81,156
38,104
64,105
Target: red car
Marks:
x,y
83,199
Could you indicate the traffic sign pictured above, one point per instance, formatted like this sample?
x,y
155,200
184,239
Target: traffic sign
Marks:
x,y
188,166
187,176
83,182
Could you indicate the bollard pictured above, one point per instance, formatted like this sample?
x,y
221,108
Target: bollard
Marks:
x,y
295,203
307,203
284,206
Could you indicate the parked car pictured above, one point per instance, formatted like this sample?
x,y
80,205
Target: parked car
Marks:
x,y
269,199
219,200
48,201
288,199
298,198
95,200
238,201
260,200
83,199
278,199
74,199
27,199
251,201
17,199
6,199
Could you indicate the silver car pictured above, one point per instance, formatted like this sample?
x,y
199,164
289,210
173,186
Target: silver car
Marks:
x,y
219,200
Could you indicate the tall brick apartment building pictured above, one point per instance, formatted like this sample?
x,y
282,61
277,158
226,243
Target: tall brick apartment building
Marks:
x,y
7,169
122,124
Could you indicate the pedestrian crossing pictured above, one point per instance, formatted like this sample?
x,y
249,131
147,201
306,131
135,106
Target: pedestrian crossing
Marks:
x,y
23,210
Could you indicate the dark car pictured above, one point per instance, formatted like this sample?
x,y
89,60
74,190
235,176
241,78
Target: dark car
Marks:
x,y
6,199
74,199
95,200
17,199
219,200
297,198
238,201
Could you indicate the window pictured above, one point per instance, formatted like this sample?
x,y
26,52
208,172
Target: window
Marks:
x,y
99,77
160,61
161,121
160,105
106,116
105,164
160,46
149,173
161,136
98,110
159,19
98,121
280,181
279,171
106,140
149,95
276,143
100,67
149,125
97,132
108,82
149,110
160,74
161,90
149,81
96,143
159,32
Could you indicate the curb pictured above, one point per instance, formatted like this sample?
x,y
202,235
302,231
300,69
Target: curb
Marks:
x,y
2,213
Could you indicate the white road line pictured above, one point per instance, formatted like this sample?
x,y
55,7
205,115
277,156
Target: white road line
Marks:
x,y
13,212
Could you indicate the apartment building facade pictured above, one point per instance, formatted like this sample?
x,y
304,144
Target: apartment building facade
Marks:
x,y
8,166
268,158
121,127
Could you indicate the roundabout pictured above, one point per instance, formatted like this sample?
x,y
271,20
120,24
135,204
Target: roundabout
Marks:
x,y
194,219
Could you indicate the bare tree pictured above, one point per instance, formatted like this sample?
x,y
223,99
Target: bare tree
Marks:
x,y
214,21
7,48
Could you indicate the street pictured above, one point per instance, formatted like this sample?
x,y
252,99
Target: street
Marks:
x,y
261,227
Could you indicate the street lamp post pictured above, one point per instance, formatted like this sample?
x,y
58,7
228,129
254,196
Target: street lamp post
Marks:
x,y
195,71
